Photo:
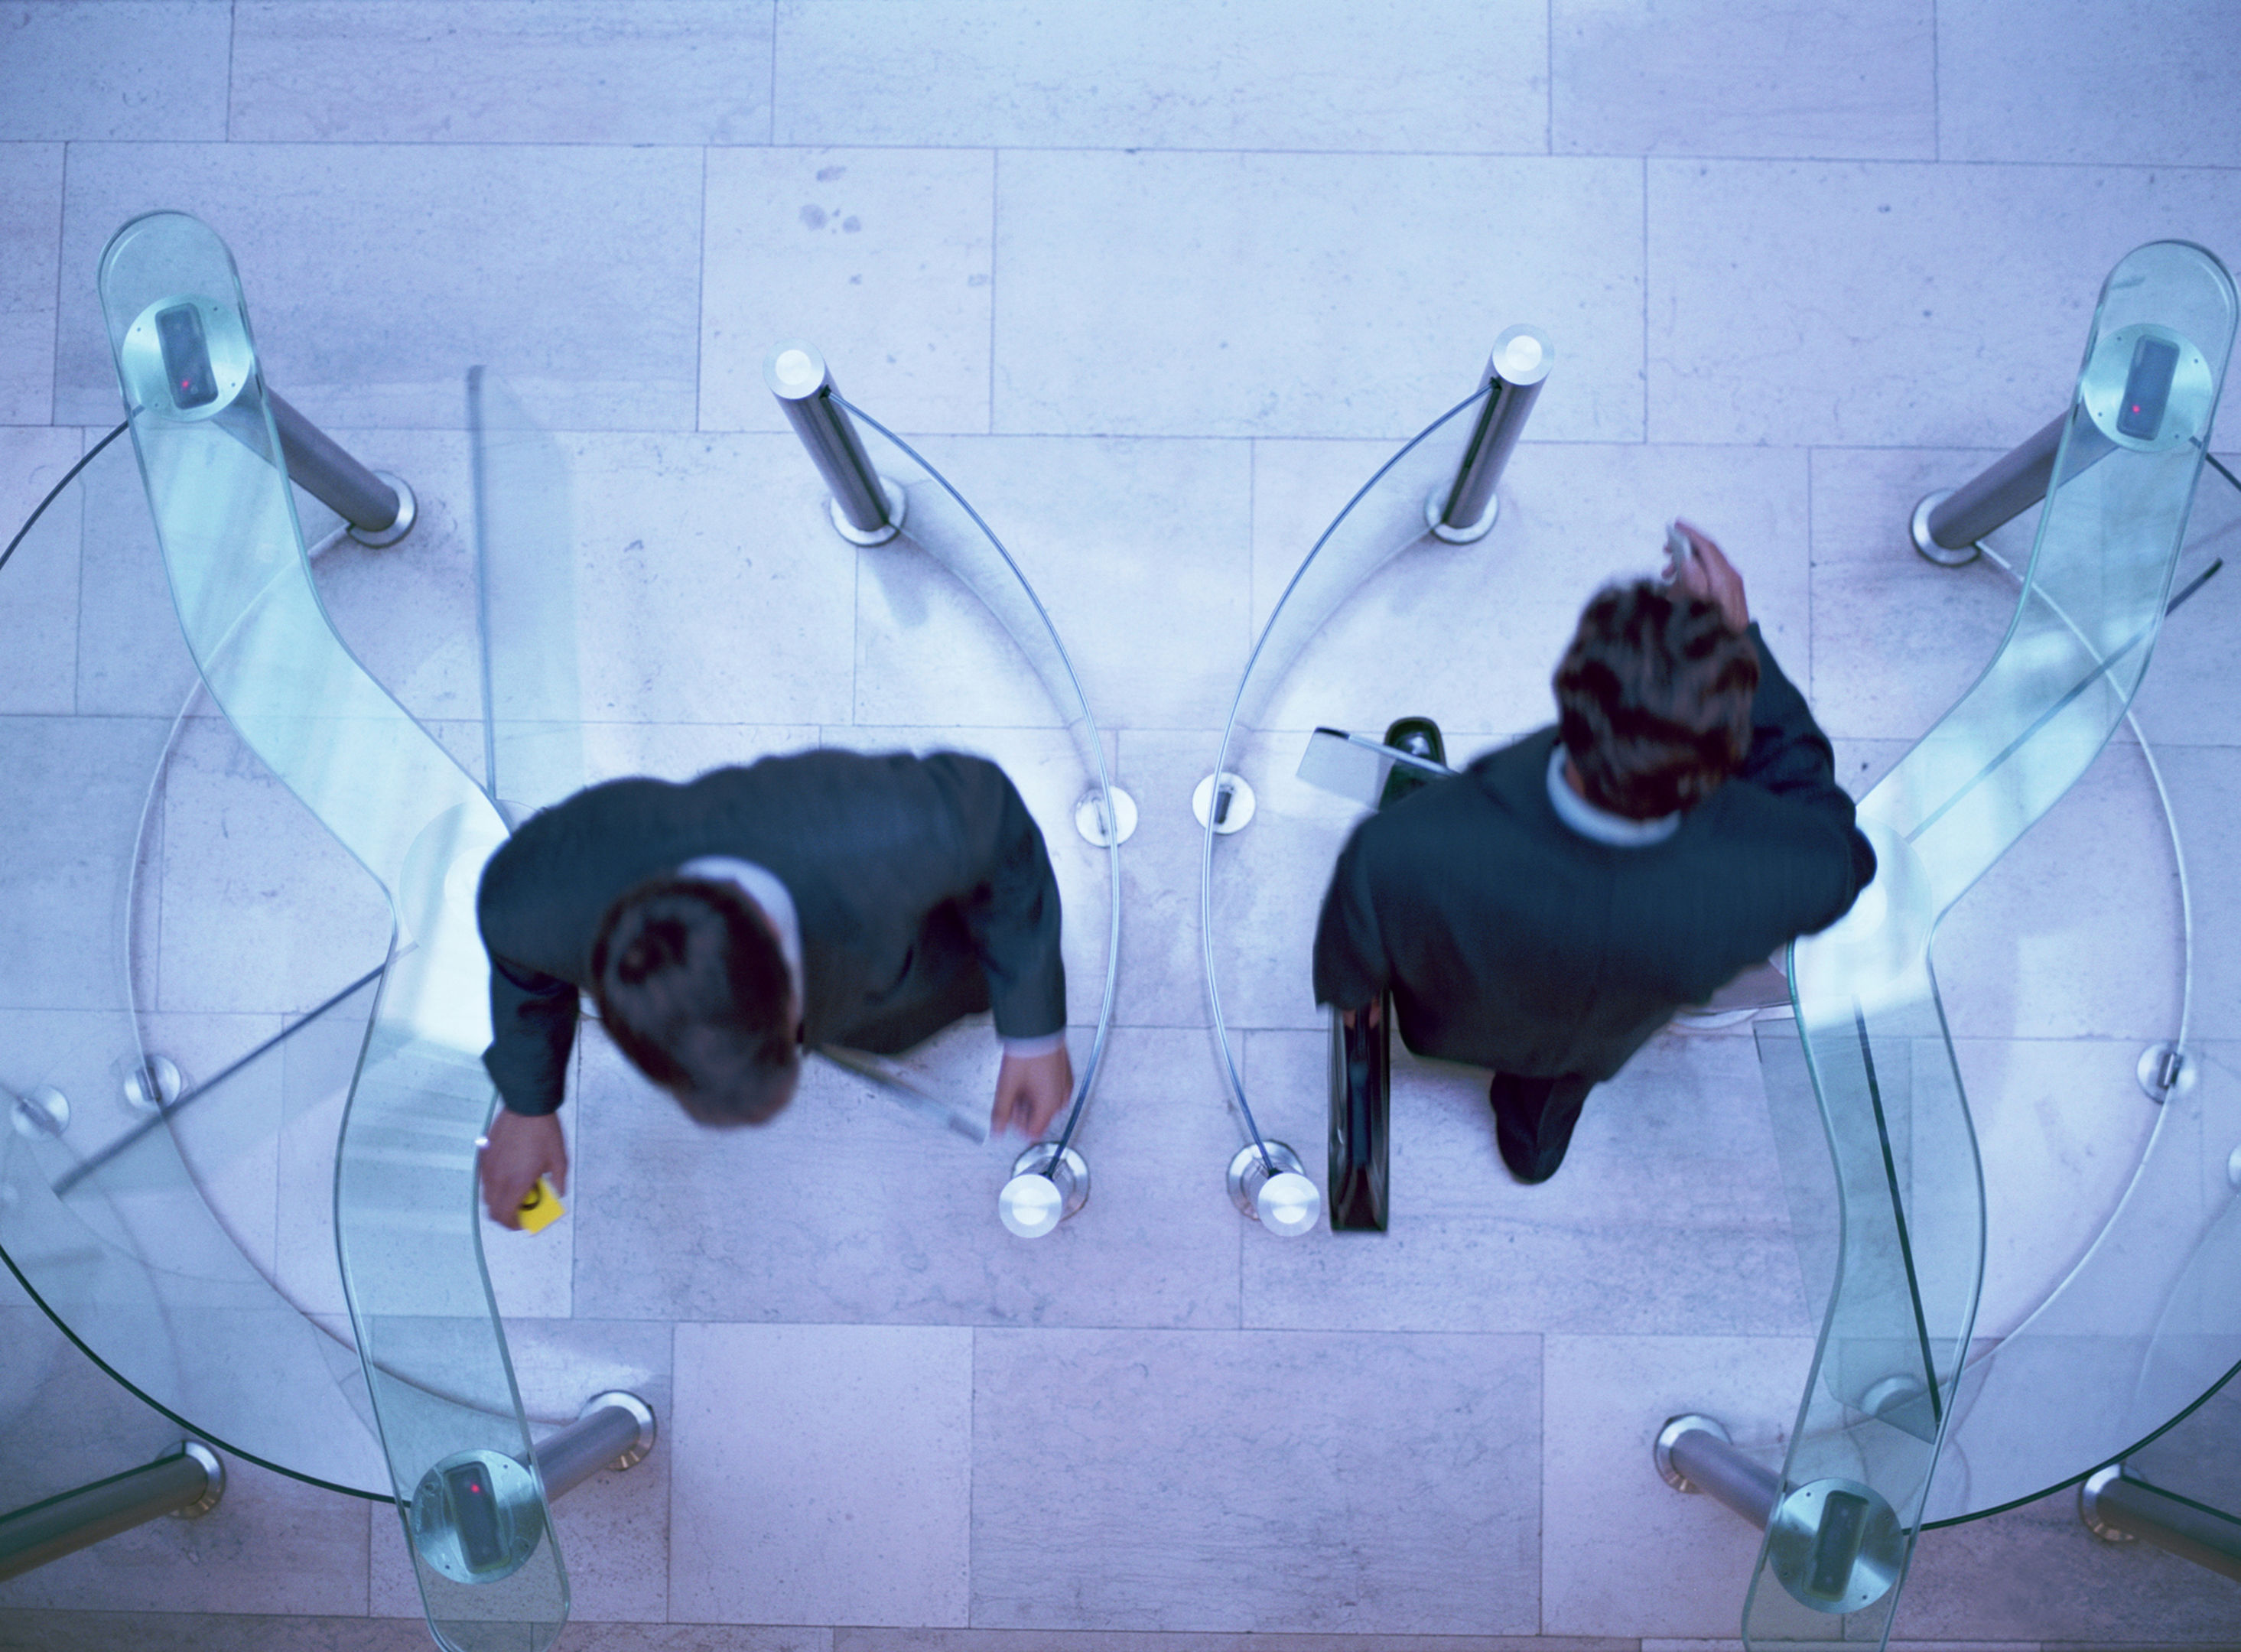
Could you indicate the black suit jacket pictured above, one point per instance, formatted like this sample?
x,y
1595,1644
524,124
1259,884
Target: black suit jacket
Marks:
x,y
1510,941
921,885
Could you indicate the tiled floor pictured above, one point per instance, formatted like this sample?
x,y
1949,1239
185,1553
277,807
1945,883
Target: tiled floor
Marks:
x,y
1159,284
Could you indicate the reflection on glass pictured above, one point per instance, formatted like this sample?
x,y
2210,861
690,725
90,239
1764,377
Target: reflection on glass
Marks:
x,y
526,603
2136,1333
105,1225
405,1217
1910,1252
938,521
1384,518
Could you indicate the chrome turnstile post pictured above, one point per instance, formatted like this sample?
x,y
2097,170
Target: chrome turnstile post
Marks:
x,y
187,1482
2118,1510
1833,1545
1465,509
1696,1454
1947,525
379,508
615,1430
866,508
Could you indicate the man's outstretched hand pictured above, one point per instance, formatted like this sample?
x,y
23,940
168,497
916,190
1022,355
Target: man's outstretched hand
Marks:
x,y
521,1147
1030,1089
1710,575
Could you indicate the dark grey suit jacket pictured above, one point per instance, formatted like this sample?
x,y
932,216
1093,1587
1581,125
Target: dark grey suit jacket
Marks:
x,y
921,885
1510,941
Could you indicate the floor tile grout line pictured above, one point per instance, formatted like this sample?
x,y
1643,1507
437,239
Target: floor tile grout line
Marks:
x,y
1809,560
972,1463
1541,1498
1936,93
1735,159
995,198
54,336
700,309
233,46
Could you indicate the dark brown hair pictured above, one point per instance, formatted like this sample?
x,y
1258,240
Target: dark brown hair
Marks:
x,y
1653,698
693,987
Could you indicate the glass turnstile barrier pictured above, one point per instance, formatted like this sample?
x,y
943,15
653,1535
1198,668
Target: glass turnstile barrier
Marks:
x,y
2145,1322
103,1215
407,1229
1898,1251
224,1189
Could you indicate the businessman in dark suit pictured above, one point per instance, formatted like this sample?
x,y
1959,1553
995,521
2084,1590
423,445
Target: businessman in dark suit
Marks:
x,y
1547,910
824,898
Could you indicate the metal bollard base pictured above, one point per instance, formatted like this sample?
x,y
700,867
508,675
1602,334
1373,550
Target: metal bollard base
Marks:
x,y
1918,530
898,507
214,1467
1090,817
1437,504
408,513
1228,799
1278,1194
1047,1186
1662,1452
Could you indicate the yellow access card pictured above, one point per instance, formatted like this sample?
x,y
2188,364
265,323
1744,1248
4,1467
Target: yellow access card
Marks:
x,y
541,1209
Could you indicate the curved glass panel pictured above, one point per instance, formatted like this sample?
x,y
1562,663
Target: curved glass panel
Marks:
x,y
406,1219
1294,815
524,604
1910,1256
106,1223
937,520
2141,1329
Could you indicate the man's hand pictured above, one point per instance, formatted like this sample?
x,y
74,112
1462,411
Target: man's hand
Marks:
x,y
521,1146
1710,575
1030,1089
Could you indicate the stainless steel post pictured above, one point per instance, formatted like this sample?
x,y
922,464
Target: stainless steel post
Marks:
x,y
2118,1510
1515,371
1947,525
1695,1453
378,507
867,509
613,1431
187,1482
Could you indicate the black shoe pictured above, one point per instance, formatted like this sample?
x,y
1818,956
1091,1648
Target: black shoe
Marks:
x,y
1533,1121
1419,737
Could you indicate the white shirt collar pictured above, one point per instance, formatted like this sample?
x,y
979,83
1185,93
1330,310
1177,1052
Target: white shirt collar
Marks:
x,y
763,887
1601,825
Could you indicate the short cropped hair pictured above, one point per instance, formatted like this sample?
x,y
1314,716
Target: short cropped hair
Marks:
x,y
693,987
1653,698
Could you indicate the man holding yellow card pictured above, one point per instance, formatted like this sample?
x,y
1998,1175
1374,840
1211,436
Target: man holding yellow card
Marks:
x,y
826,898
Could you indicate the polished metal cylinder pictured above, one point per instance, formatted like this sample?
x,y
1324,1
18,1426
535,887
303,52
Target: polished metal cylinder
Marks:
x,y
320,466
616,1430
796,375
2117,1508
1515,371
2007,487
187,1482
1693,1454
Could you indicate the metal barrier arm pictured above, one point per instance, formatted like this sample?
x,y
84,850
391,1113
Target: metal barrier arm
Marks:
x,y
1910,1261
405,1215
